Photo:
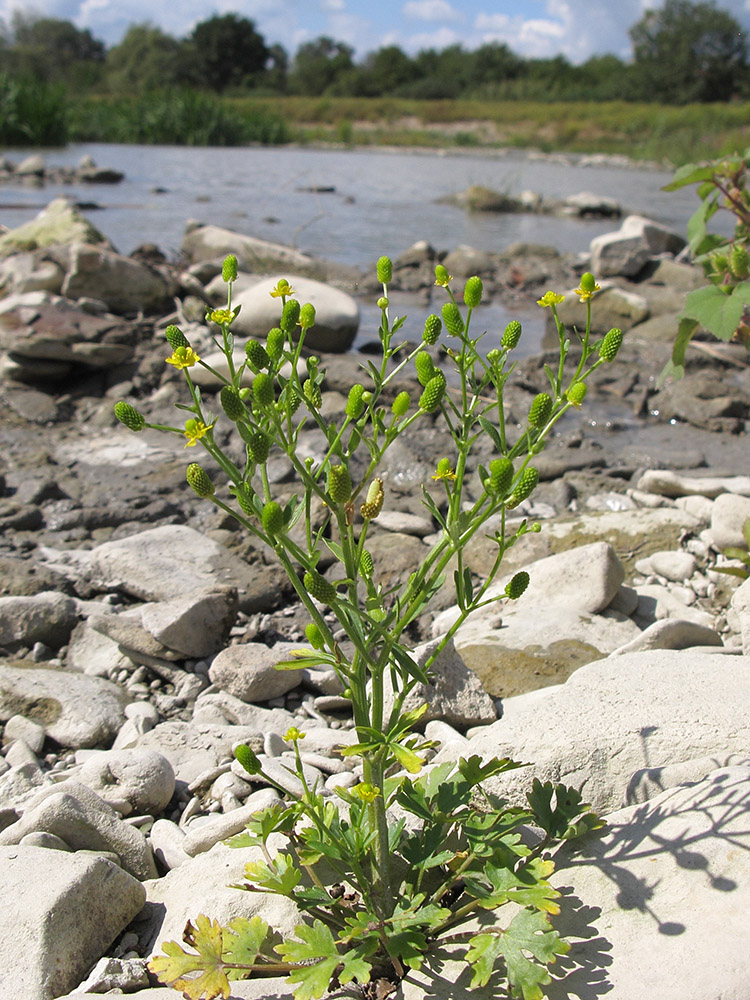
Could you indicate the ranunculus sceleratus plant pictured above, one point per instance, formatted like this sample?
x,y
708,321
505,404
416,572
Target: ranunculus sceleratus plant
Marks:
x,y
412,857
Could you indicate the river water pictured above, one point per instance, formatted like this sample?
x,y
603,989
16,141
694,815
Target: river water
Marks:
x,y
379,201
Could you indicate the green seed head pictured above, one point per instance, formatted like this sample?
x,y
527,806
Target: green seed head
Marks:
x,y
319,588
245,500
339,484
175,337
517,585
199,480
454,324
229,268
314,636
385,270
473,291
501,476
526,486
540,410
258,447
433,393
313,393
441,276
355,403
432,328
275,343
289,316
307,316
129,416
257,356
400,404
263,394
576,393
382,302
374,502
292,399
425,367
231,403
247,759
512,335
739,261
272,519
366,564
588,282
611,344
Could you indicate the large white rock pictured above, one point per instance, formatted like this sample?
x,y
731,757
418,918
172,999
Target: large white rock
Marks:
x,y
131,781
59,223
728,516
126,285
253,254
658,238
48,617
62,912
616,716
618,254
668,483
248,670
741,607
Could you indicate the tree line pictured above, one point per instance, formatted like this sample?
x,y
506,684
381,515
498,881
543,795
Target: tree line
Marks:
x,y
681,53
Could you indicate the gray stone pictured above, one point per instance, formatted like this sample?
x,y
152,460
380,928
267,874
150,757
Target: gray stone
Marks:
x,y
25,272
728,516
658,238
48,617
675,566
193,747
67,909
673,484
656,603
131,781
18,727
202,838
123,975
196,625
58,223
75,710
741,607
20,784
614,306
405,523
671,633
131,637
248,671
220,707
618,253
166,839
202,243
124,284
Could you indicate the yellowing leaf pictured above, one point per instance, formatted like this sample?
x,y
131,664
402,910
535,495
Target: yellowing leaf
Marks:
x,y
171,968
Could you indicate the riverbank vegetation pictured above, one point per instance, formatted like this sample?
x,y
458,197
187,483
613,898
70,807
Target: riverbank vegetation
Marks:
x,y
684,94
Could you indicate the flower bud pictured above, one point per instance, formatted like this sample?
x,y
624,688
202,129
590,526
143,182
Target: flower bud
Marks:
x,y
229,268
473,291
355,403
425,367
517,585
175,337
441,276
526,486
314,636
382,302
272,518
231,403
512,335
611,344
494,357
588,282
433,393
501,476
307,316
289,316
400,404
374,502
540,410
275,343
384,270
129,416
339,484
199,480
576,393
454,324
263,394
257,355
432,327
313,393
319,588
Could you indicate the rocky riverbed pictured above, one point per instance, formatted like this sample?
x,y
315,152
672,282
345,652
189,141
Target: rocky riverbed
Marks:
x,y
139,627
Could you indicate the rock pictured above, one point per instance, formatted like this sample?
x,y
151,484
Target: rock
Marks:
x,y
671,633
193,747
92,652
741,607
31,166
614,254
657,892
613,307
30,272
67,909
57,224
113,975
728,516
173,561
220,708
657,238
18,785
656,602
75,710
336,313
131,781
202,838
667,483
248,671
455,694
676,566
465,261
704,401
196,625
124,284
18,727
588,205
47,617
166,839
596,730
404,523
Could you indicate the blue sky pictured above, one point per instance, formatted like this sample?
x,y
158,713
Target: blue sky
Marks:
x,y
532,28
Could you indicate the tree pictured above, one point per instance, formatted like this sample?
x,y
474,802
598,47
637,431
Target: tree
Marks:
x,y
146,59
688,52
52,50
224,51
319,64
388,69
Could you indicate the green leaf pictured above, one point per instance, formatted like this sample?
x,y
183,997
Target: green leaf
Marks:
x,y
560,821
690,173
529,933
527,886
243,940
474,769
718,312
410,761
675,367
280,877
316,945
493,432
205,935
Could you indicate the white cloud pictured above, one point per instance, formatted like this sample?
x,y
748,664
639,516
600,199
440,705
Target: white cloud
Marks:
x,y
332,5
430,10
439,39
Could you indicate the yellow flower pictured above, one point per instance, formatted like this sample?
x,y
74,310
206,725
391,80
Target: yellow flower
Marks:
x,y
183,357
550,299
444,470
366,792
223,317
584,294
282,288
292,735
194,431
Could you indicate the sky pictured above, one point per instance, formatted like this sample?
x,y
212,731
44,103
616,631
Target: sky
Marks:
x,y
576,29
